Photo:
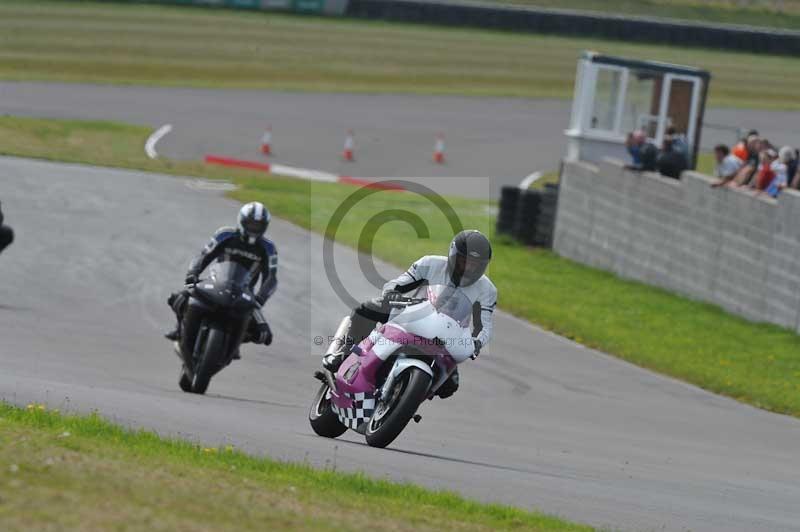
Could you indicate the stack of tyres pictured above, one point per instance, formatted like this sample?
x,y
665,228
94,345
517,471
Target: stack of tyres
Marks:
x,y
509,198
545,222
527,216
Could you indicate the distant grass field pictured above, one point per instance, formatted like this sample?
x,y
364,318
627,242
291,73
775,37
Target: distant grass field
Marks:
x,y
62,472
771,13
696,342
174,46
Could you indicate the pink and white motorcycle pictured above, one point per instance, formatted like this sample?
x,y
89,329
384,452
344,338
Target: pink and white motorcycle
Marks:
x,y
381,384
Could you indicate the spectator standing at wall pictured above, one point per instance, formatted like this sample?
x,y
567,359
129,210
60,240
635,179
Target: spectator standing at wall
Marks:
x,y
754,147
740,150
643,153
766,172
671,163
792,167
679,143
728,165
779,169
796,181
6,234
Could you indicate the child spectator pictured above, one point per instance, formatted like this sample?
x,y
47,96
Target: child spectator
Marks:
x,y
728,164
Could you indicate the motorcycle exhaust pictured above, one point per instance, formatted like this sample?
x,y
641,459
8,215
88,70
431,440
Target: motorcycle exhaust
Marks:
x,y
340,336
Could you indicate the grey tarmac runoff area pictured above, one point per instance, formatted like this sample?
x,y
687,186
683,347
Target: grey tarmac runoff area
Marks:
x,y
504,139
539,422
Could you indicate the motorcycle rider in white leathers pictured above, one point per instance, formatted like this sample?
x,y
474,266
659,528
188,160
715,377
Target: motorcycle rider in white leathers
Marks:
x,y
463,267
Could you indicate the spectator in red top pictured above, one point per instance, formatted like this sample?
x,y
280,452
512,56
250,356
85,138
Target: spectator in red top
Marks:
x,y
754,147
766,172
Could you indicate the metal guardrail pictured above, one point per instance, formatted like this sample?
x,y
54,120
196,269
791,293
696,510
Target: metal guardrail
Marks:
x,y
583,23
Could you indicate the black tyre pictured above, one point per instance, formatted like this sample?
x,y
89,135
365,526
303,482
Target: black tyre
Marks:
x,y
392,416
185,382
323,419
213,353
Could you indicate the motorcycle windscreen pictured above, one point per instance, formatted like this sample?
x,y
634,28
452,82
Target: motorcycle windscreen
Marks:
x,y
452,302
231,274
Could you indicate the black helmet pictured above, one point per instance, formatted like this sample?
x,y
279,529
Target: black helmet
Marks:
x,y
470,253
253,221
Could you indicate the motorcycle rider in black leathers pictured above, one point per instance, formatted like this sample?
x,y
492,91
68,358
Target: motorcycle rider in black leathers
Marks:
x,y
463,268
247,245
6,234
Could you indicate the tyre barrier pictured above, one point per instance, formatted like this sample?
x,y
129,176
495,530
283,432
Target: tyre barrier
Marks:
x,y
528,215
509,196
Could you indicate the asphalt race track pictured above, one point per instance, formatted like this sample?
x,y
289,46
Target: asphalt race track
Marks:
x,y
539,421
505,139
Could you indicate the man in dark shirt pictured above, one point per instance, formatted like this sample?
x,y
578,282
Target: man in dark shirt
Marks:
x,y
671,162
643,153
6,234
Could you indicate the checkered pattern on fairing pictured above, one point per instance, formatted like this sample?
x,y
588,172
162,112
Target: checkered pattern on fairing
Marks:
x,y
358,414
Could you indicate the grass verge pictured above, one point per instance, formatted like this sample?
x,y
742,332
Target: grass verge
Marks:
x,y
174,46
696,342
83,473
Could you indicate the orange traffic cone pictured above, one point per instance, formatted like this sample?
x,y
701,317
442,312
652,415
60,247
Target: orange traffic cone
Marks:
x,y
266,141
349,147
438,150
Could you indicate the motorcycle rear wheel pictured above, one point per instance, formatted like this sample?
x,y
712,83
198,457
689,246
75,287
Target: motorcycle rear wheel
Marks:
x,y
213,353
383,429
323,419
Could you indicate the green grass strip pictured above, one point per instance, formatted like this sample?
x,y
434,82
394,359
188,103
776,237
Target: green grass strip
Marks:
x,y
173,46
693,341
83,473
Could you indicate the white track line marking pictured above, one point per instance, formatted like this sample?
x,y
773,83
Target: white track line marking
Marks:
x,y
303,173
150,145
531,179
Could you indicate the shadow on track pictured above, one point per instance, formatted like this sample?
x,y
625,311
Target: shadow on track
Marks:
x,y
252,401
456,460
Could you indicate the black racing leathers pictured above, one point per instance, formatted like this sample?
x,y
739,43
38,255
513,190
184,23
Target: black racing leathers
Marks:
x,y
260,258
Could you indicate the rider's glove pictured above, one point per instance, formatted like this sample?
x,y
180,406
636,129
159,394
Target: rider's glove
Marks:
x,y
392,295
477,344
191,278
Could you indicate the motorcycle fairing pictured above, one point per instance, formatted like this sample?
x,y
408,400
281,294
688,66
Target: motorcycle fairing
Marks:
x,y
356,416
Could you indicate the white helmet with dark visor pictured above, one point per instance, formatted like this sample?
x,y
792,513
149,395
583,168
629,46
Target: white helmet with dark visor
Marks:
x,y
253,221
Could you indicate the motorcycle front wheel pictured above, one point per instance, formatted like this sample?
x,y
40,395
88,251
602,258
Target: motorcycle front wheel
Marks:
x,y
393,413
213,353
323,419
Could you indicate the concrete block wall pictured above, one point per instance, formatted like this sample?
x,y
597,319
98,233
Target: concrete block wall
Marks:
x,y
723,246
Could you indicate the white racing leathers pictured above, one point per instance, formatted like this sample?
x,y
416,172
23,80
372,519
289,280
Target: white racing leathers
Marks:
x,y
482,293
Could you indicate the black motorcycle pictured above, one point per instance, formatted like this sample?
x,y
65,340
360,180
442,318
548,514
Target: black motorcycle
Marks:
x,y
216,319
